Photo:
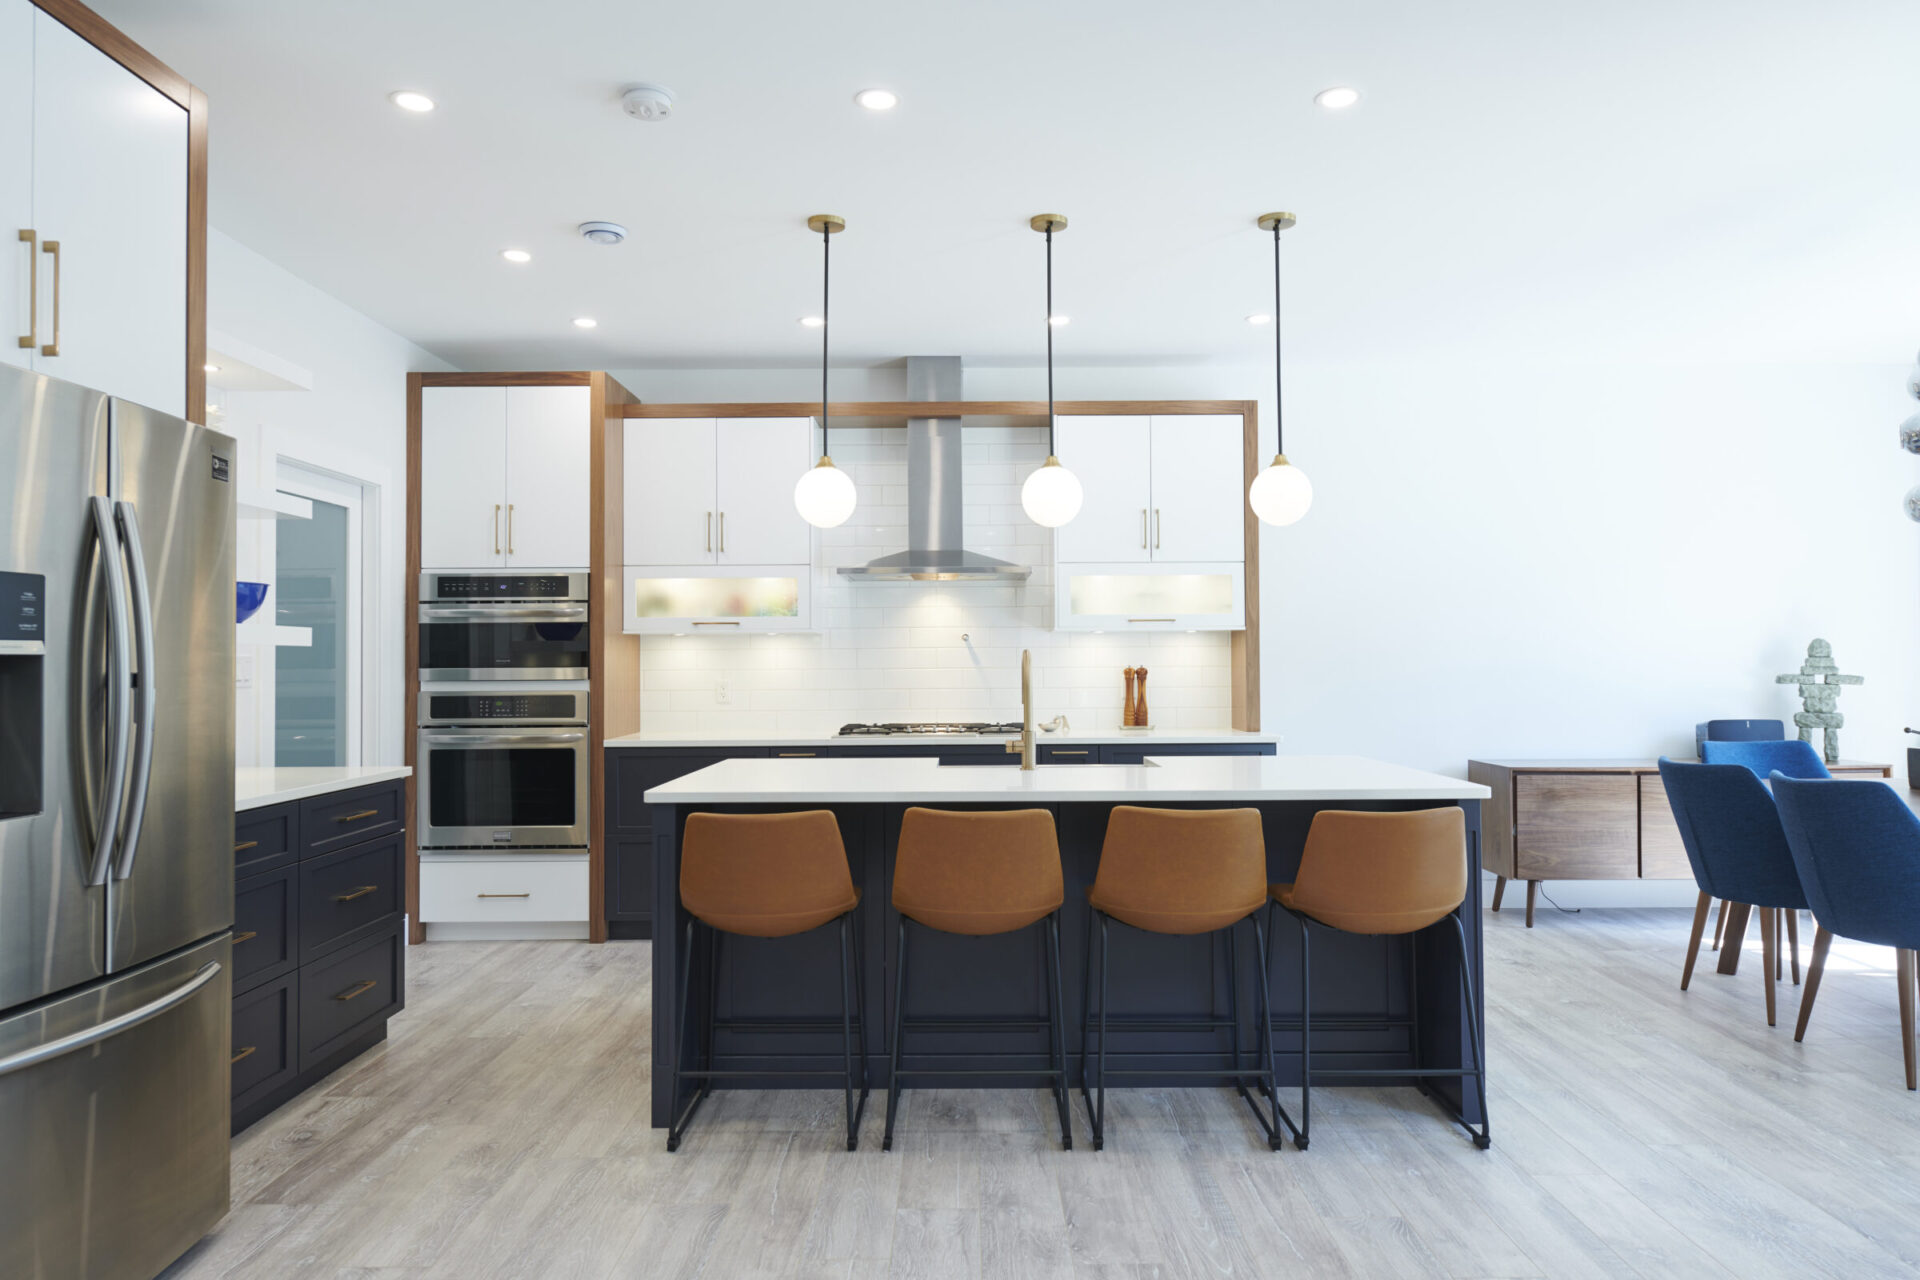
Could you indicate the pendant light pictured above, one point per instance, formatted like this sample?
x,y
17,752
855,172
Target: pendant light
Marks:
x,y
825,495
1051,496
1282,493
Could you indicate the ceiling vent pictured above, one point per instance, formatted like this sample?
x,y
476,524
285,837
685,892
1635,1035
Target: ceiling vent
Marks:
x,y
603,232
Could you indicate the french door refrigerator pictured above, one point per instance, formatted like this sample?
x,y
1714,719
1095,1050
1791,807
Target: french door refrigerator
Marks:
x,y
116,831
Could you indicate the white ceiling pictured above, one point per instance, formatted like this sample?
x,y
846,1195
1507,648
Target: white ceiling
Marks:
x,y
1647,179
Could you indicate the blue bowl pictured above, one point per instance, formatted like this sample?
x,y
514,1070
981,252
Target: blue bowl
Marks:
x,y
247,598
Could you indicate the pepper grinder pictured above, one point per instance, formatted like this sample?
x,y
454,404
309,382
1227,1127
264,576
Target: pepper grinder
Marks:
x,y
1127,712
1140,719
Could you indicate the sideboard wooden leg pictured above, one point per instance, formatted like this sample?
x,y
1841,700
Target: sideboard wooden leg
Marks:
x,y
1533,887
1499,890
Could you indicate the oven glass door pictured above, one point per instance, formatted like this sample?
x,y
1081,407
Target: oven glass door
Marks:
x,y
506,649
513,789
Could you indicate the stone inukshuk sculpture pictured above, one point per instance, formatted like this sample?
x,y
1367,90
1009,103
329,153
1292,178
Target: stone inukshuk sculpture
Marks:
x,y
1820,680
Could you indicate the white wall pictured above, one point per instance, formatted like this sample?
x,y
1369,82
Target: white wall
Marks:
x,y
1546,561
352,422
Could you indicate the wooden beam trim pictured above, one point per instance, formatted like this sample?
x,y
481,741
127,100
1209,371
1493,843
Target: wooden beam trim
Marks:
x,y
939,409
416,931
113,42
564,378
196,256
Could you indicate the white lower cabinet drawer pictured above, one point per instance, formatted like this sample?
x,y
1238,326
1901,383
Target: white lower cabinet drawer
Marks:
x,y
503,890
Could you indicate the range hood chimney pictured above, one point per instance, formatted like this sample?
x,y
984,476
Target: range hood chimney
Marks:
x,y
935,471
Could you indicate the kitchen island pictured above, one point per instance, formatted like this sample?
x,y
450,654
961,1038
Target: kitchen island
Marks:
x,y
1380,1002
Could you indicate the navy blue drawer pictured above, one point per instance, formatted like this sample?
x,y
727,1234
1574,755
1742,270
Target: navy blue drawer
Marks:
x,y
264,838
350,817
263,1054
266,913
346,992
349,895
1130,754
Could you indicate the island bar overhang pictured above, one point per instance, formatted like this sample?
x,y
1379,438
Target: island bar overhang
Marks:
x,y
1379,1002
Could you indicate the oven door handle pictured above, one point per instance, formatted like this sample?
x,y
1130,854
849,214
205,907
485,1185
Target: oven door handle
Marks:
x,y
502,739
497,613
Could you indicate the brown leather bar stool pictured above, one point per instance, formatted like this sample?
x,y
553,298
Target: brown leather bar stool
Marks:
x,y
1181,871
979,874
1383,873
767,875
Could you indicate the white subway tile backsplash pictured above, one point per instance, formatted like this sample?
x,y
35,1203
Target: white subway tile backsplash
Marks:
x,y
894,650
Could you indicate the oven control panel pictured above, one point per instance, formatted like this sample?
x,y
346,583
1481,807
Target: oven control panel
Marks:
x,y
494,586
466,708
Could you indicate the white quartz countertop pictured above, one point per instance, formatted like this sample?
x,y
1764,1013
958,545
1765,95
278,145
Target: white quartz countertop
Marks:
x,y
1166,778
257,788
829,738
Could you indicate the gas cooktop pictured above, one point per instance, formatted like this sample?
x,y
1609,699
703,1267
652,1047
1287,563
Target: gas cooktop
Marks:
x,y
945,728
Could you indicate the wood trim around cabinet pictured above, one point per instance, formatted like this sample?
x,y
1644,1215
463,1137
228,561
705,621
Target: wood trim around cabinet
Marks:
x,y
113,42
613,661
1245,645
565,378
416,930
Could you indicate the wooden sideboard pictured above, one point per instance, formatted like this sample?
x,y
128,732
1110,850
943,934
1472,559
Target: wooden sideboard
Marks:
x,y
1587,820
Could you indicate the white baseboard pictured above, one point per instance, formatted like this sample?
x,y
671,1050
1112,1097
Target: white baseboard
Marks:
x,y
529,930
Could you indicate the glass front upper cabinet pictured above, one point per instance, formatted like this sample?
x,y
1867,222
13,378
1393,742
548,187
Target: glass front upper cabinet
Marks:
x,y
710,600
1150,597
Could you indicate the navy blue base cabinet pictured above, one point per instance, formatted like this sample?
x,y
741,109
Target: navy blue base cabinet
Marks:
x,y
318,955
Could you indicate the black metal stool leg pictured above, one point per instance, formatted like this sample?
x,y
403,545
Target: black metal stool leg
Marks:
x,y
846,1026
899,1020
1056,1033
1086,1022
1233,1000
1484,1138
1100,1113
1306,1032
1274,1139
677,1126
860,1007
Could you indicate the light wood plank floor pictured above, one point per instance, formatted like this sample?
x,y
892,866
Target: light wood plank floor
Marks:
x,y
502,1132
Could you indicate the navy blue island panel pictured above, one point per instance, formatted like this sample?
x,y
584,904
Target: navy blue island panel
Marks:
x,y
1379,1002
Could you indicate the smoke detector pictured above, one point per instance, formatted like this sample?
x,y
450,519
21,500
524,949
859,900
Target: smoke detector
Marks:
x,y
649,102
603,232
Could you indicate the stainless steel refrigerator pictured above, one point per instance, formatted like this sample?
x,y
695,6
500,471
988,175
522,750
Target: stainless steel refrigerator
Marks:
x,y
116,831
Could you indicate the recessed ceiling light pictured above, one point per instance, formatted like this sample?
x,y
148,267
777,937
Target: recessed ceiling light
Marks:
x,y
410,100
209,368
1336,98
585,322
1059,321
516,255
877,99
812,322
1259,317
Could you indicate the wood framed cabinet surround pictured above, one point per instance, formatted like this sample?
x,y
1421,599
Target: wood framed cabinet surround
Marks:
x,y
575,492
105,265
1587,820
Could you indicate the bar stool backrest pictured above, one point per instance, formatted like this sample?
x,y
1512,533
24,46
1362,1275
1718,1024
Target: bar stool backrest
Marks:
x,y
1382,872
765,875
1181,870
977,873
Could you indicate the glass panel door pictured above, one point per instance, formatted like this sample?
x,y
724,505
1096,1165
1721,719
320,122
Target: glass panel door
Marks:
x,y
317,587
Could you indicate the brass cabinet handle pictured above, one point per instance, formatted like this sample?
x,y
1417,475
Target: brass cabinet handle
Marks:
x,y
716,624
1150,619
31,338
244,1053
1143,528
359,989
709,530
496,528
355,817
798,755
361,892
53,247
248,936
1156,528
1058,752
723,533
245,845
503,895
509,528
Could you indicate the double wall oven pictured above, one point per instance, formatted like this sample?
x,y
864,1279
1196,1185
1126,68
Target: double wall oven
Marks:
x,y
504,758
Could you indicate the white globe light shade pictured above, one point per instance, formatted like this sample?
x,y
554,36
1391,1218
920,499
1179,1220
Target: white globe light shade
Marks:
x,y
1052,495
1281,494
825,496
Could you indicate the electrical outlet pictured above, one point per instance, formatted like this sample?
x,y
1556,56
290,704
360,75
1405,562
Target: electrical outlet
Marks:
x,y
243,671
723,692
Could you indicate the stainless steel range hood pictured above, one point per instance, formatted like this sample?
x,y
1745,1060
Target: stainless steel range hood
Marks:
x,y
935,470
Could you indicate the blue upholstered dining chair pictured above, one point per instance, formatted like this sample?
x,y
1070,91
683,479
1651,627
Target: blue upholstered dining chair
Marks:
x,y
1857,848
1790,756
1732,835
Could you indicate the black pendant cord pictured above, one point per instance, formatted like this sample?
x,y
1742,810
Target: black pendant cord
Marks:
x,y
826,278
1049,339
1279,414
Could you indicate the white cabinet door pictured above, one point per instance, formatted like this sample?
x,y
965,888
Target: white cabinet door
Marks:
x,y
463,477
110,189
760,460
670,491
1111,458
17,257
1199,503
549,477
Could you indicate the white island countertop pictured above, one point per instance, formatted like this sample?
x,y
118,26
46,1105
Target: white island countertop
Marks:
x,y
829,738
256,788
1165,778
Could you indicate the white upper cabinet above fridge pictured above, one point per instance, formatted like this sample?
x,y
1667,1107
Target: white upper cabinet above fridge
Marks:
x,y
707,491
505,477
1160,489
19,257
108,216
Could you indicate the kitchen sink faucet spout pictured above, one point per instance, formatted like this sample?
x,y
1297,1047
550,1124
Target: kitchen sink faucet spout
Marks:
x,y
1024,743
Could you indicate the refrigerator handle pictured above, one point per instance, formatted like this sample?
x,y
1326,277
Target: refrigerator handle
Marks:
x,y
119,713
142,594
112,1026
